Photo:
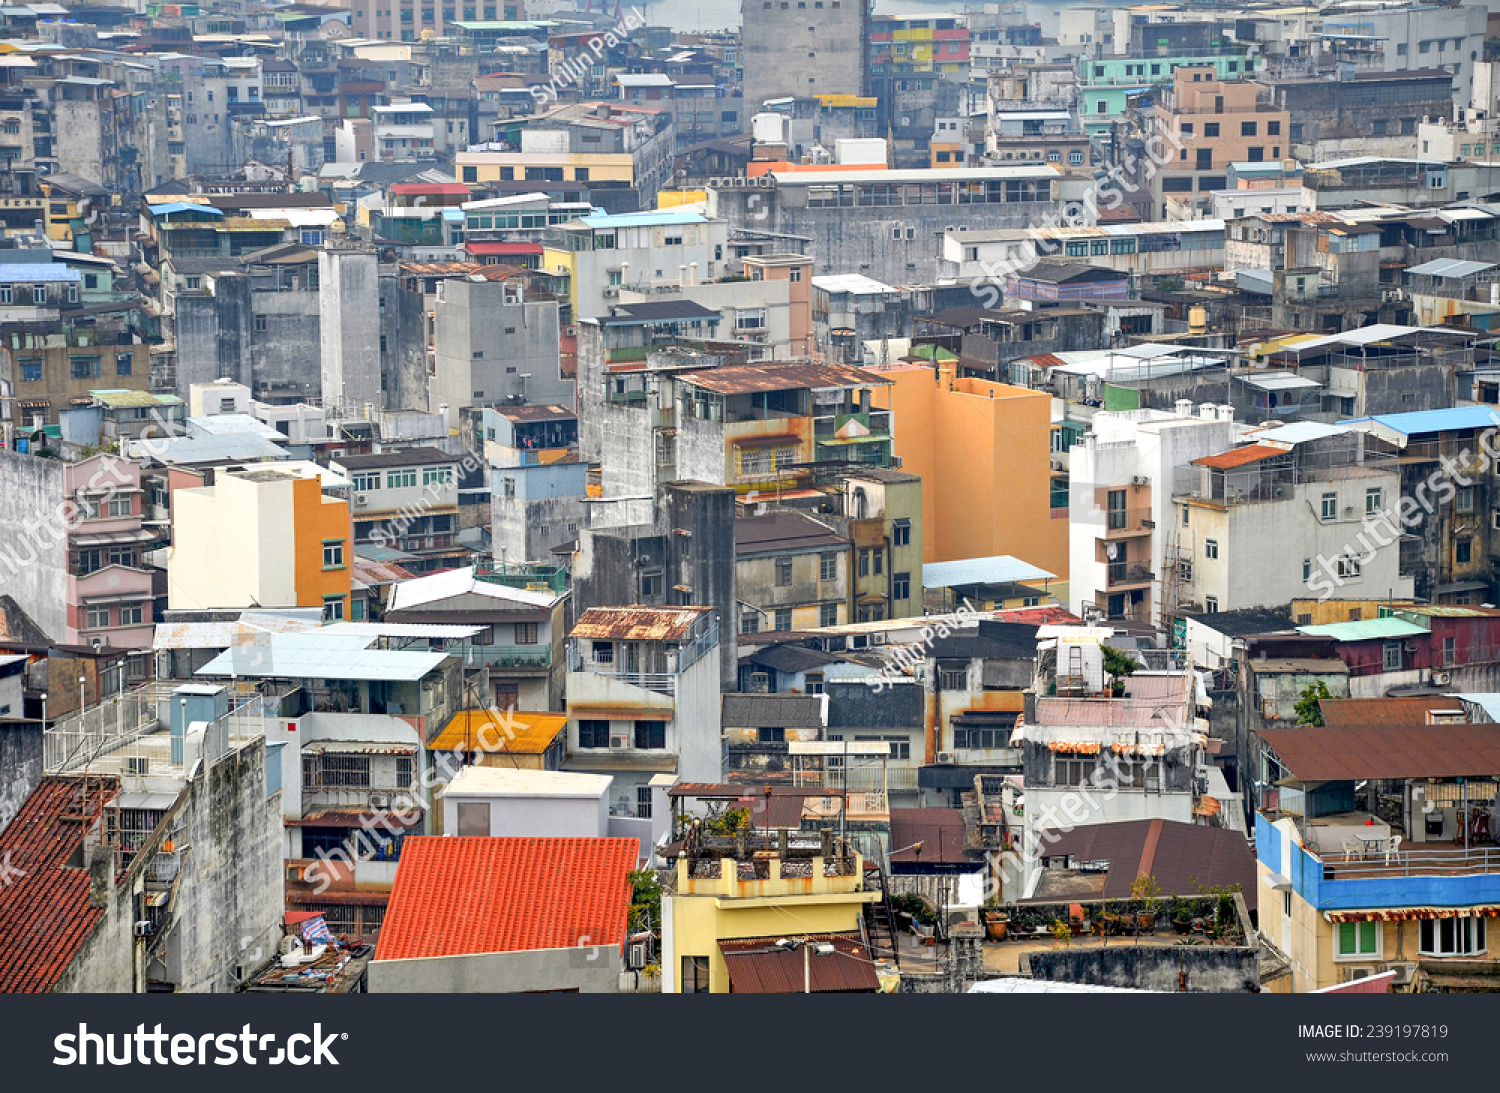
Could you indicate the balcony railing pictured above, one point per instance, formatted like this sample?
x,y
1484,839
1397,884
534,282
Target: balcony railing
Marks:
x,y
1125,573
1477,861
1119,523
509,656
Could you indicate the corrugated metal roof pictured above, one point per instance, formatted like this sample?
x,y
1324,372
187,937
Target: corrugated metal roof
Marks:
x,y
1352,753
999,569
1387,712
1450,267
322,656
742,379
523,733
939,830
1184,858
1239,457
1433,421
637,623
757,966
456,896
454,583
250,627
37,273
1364,629
46,914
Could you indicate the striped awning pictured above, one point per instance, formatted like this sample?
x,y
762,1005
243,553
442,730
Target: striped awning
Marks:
x,y
1412,914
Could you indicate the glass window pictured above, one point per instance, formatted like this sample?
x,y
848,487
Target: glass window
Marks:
x,y
333,554
1330,506
651,734
1451,936
593,733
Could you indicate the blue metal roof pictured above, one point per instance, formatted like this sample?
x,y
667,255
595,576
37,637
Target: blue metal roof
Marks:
x,y
1433,421
37,273
182,207
649,219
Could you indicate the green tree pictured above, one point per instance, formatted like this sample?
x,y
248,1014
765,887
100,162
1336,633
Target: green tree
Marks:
x,y
1308,710
1117,665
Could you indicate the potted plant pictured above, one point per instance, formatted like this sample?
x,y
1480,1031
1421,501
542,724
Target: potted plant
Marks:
x,y
1144,892
1118,666
995,920
1182,915
1063,932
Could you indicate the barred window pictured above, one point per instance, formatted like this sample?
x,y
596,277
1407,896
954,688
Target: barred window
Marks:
x,y
346,771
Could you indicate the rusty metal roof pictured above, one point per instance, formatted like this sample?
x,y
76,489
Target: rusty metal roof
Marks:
x,y
1348,753
757,966
1238,457
637,623
939,830
1385,712
744,379
537,413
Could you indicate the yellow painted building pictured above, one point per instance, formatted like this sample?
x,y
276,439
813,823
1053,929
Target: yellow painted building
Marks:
x,y
983,451
700,911
615,167
671,199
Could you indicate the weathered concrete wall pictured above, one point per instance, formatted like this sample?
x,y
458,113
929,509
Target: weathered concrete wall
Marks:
x,y
350,329
33,551
703,560
1201,969
403,365
230,896
287,353
20,767
585,969
105,962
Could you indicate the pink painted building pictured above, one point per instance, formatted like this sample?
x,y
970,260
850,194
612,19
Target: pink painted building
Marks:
x,y
108,582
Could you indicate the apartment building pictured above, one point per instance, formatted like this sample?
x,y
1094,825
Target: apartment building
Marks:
x,y
800,50
792,572
261,536
1346,893
1217,122
643,699
1271,521
603,255
1105,83
983,452
406,499
1120,504
883,507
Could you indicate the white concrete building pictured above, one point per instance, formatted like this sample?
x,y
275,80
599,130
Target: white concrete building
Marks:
x,y
643,699
1291,514
1120,502
501,802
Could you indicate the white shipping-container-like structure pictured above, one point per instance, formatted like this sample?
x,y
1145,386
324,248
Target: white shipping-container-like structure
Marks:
x,y
860,150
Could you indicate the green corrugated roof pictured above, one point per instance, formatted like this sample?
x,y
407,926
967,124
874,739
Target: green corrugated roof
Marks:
x,y
1364,629
125,397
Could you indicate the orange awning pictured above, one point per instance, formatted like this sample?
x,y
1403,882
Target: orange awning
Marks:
x,y
619,713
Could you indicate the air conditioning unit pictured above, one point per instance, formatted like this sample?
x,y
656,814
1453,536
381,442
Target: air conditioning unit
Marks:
x,y
945,757
1358,971
1140,480
380,800
637,958
143,927
1441,678
296,872
1057,464
619,742
1405,973
611,293
572,332
361,500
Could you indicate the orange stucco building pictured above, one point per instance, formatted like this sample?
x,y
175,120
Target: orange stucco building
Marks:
x,y
983,451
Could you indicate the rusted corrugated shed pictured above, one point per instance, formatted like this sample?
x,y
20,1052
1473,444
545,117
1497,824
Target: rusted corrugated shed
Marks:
x,y
637,623
1385,712
757,966
1351,753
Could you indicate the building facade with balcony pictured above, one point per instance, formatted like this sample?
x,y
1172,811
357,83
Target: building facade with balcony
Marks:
x,y
406,499
1272,521
522,613
793,572
643,699
1120,502
1349,890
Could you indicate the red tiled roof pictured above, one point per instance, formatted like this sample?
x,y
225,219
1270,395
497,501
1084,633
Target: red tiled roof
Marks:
x,y
45,911
430,189
456,896
1238,457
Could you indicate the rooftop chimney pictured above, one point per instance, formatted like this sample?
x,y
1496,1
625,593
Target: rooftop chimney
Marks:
x,y
1226,412
1184,407
1206,410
